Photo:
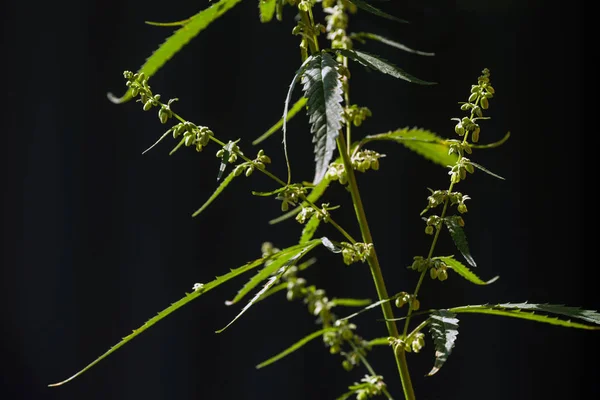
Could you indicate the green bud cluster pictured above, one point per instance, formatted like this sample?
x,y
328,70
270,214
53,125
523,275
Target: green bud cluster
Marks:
x,y
193,135
459,171
319,305
138,84
439,197
438,270
371,386
356,252
365,160
407,298
336,172
290,195
356,115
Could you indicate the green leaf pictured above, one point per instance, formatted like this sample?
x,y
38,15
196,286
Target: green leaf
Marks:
x,y
487,171
351,302
314,195
381,65
464,271
491,145
291,113
382,341
323,89
217,192
516,310
273,280
267,10
310,228
275,263
297,76
369,307
443,328
422,142
180,38
369,8
294,347
283,286
167,311
459,238
366,35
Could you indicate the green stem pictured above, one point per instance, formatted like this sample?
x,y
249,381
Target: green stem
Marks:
x,y
375,268
429,255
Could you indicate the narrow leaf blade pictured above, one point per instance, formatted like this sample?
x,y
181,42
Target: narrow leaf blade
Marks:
x,y
167,311
291,113
266,9
310,228
443,327
487,171
323,89
180,38
351,302
384,40
516,310
422,142
272,281
216,193
375,11
381,65
275,263
459,238
464,271
294,347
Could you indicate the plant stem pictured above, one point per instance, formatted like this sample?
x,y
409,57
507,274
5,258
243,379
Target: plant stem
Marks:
x,y
375,268
429,255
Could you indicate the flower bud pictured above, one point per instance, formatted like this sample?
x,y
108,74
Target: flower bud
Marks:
x,y
249,172
415,304
347,365
433,273
484,103
429,230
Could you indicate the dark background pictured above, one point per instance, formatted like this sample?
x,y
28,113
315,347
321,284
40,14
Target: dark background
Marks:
x,y
98,238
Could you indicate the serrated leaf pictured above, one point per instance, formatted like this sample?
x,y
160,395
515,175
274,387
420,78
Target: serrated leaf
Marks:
x,y
310,228
217,192
266,9
375,11
314,195
351,302
294,347
443,327
180,38
283,286
515,310
464,271
167,311
275,263
422,142
297,76
369,307
360,36
487,171
459,238
381,65
323,89
291,113
273,280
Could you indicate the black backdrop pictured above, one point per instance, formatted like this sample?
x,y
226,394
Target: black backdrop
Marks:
x,y
98,238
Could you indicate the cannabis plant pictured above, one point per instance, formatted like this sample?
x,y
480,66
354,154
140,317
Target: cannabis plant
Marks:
x,y
329,49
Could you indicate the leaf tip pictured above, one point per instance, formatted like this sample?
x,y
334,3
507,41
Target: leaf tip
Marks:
x,y
117,100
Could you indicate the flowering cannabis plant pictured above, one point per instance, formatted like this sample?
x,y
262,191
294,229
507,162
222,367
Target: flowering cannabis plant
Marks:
x,y
328,49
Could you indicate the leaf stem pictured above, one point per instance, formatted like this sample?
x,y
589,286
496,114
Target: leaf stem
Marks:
x,y
375,268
